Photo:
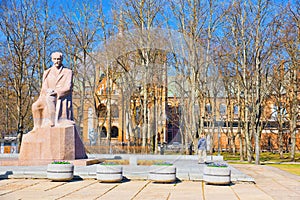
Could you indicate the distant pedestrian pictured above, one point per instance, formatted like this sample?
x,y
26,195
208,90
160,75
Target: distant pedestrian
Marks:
x,y
191,148
202,149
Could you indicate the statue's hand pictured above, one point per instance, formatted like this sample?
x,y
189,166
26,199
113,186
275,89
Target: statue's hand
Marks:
x,y
51,92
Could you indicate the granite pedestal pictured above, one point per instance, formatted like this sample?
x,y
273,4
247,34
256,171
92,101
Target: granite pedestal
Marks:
x,y
51,143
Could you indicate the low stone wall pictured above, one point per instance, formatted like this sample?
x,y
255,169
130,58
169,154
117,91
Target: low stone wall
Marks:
x,y
137,156
152,157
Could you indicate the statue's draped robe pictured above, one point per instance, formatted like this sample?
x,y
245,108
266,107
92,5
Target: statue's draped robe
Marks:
x,y
62,84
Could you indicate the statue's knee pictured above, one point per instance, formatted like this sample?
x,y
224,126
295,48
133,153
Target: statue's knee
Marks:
x,y
33,107
36,106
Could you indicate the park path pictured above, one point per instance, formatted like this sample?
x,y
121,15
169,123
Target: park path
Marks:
x,y
270,183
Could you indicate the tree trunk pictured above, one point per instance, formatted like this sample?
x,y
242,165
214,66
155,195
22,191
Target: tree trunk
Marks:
x,y
294,111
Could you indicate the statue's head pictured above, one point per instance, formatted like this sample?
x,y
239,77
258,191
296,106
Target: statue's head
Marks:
x,y
57,58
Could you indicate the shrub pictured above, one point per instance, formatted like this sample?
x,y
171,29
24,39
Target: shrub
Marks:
x,y
60,162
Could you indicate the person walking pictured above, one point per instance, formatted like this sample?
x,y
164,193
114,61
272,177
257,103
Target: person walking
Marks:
x,y
202,149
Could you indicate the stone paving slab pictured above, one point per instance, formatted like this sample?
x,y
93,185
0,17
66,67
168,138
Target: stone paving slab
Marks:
x,y
249,192
212,192
95,190
274,182
185,170
249,182
155,191
127,190
186,190
270,183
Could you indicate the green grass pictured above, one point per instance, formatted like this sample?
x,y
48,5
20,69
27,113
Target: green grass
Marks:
x,y
264,157
109,163
274,157
291,168
163,164
271,159
60,162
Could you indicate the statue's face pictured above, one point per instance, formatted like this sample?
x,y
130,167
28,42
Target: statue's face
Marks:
x,y
57,59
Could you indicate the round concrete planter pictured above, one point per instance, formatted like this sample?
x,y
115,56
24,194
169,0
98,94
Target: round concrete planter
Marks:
x,y
60,172
162,173
109,173
217,175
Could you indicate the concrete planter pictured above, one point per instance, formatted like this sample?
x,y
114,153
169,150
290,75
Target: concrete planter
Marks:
x,y
162,173
60,172
217,175
109,173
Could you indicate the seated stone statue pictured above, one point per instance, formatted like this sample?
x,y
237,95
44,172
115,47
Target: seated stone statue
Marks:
x,y
54,105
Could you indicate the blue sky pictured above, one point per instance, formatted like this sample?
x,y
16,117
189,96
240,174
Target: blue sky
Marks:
x,y
72,3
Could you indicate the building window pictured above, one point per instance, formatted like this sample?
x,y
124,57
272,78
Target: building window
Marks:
x,y
103,133
102,110
114,111
114,132
208,108
222,109
235,109
275,110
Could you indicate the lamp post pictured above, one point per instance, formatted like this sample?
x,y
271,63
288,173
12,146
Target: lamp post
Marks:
x,y
219,135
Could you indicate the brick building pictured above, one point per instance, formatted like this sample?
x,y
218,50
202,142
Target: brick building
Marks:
x,y
222,131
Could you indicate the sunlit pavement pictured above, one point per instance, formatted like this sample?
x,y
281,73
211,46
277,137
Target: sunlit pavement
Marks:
x,y
270,183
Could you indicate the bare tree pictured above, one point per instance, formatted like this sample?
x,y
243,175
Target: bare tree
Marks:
x,y
80,33
235,45
24,55
142,16
198,22
252,58
290,42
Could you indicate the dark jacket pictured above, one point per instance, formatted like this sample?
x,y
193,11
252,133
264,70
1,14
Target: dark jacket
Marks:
x,y
202,144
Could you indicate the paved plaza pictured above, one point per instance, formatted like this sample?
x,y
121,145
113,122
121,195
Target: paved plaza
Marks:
x,y
249,182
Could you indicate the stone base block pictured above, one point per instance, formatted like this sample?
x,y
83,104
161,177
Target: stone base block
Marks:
x,y
60,172
217,176
55,143
109,173
162,174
